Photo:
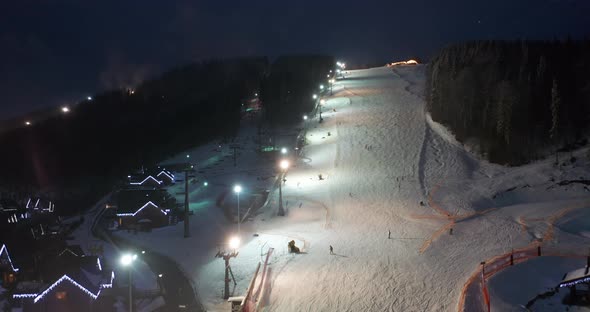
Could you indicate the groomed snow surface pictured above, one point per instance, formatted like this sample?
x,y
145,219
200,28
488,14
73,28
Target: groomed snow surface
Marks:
x,y
380,156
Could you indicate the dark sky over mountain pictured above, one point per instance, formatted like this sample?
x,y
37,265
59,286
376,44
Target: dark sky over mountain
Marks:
x,y
57,52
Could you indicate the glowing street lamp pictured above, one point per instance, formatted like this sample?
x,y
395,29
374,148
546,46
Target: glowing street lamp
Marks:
x,y
284,150
321,87
127,261
304,117
238,190
205,183
89,98
226,255
284,165
315,96
27,123
65,109
234,242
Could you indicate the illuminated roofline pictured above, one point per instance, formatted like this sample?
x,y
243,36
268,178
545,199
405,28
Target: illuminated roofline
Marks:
x,y
128,214
142,182
8,255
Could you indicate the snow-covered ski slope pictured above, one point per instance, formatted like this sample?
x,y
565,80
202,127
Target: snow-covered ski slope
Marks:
x,y
381,156
375,171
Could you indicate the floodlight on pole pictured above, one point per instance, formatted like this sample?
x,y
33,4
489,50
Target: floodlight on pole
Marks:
x,y
304,117
234,242
315,96
126,261
284,150
65,109
321,87
89,98
27,123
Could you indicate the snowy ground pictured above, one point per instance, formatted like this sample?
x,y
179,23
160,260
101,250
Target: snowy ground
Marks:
x,y
381,158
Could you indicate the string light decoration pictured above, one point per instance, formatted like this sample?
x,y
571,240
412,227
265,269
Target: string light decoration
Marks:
x,y
109,285
144,180
22,296
4,249
171,177
128,214
50,288
572,283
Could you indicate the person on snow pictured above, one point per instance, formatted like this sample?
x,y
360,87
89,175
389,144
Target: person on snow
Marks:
x,y
388,234
331,250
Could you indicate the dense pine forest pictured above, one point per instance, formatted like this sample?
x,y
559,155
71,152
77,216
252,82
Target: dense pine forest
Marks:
x,y
513,101
287,90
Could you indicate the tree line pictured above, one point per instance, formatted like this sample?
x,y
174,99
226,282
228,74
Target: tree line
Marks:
x,y
101,140
513,101
287,90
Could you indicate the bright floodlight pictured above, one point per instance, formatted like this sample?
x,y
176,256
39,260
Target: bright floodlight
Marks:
x,y
160,275
328,75
127,259
234,242
321,87
238,189
89,98
205,183
322,101
304,117
28,123
65,109
187,155
315,96
284,150
284,164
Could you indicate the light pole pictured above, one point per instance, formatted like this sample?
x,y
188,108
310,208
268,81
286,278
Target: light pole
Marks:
x,y
331,86
126,261
284,165
234,243
322,102
238,190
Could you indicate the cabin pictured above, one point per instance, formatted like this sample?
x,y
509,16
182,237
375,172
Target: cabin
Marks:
x,y
578,282
39,205
143,209
69,281
11,212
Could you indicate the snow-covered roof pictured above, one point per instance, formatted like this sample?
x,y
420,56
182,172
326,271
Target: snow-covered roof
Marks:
x,y
575,277
146,205
147,179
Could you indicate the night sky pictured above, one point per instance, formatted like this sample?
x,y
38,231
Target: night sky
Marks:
x,y
55,52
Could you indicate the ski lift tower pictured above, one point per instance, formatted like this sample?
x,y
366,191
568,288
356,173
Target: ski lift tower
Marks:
x,y
189,170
